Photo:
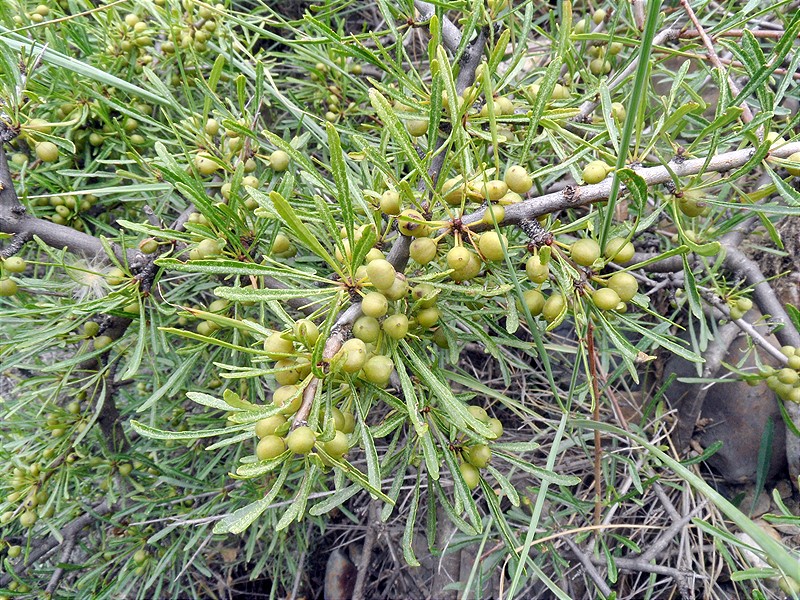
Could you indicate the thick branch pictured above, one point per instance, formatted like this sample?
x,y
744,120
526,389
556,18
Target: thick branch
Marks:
x,y
451,36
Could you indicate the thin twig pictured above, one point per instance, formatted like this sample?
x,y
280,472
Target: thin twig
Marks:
x,y
373,525
593,573
747,114
58,573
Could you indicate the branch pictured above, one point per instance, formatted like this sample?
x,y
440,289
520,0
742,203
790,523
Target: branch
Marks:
x,y
451,36
573,196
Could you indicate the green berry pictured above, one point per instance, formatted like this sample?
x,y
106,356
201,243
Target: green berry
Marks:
x,y
269,425
301,440
411,223
8,287
374,305
279,160
390,202
205,164
47,151
422,250
518,180
534,300
605,299
479,455
276,346
619,250
585,251
381,273
396,326
458,257
269,447
553,307
492,245
288,397
470,475
535,270
428,317
14,264
338,446
354,352
478,412
366,329
378,369
624,284
595,171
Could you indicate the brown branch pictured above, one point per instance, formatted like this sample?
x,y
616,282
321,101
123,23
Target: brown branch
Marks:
x,y
373,525
747,114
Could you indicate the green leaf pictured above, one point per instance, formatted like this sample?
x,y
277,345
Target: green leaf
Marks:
x,y
242,294
543,474
242,518
161,434
335,500
298,506
411,522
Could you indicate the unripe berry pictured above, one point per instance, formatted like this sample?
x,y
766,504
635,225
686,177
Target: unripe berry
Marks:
x,y
595,171
269,447
624,284
470,475
276,346
428,317
381,273
390,202
366,329
374,305
534,300
338,446
422,250
279,160
792,170
205,164
269,425
8,287
535,270
301,440
355,355
585,251
396,326
518,180
47,151
458,257
417,127
492,245
378,369
619,250
605,299
407,225
288,397
479,455
553,307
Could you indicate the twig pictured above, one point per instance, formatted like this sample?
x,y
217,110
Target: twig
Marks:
x,y
366,553
451,36
70,530
669,534
598,469
588,107
573,196
747,114
759,33
69,546
589,568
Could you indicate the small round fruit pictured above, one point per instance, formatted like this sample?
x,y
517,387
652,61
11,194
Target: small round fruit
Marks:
x,y
479,455
618,111
788,376
288,397
279,160
553,307
378,369
208,247
91,328
373,254
205,164
468,272
307,331
793,363
605,299
407,225
125,469
47,151
620,250
691,207
428,317
8,287
102,341
276,346
458,257
595,171
396,326
624,284
355,355
28,518
269,425
338,446
598,16
390,202
518,180
301,440
398,290
366,329
534,300
492,245
140,556
287,371
381,273
495,213
599,66
422,250
496,426
792,170
491,190
14,264
744,304
453,191
417,127
535,270
478,412
425,294
470,475
211,127
585,251
14,551
374,305
281,244
269,447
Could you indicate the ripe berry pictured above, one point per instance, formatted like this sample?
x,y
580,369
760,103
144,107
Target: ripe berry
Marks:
x,y
301,440
624,284
375,305
585,251
595,171
492,245
270,446
605,299
279,160
619,250
518,180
